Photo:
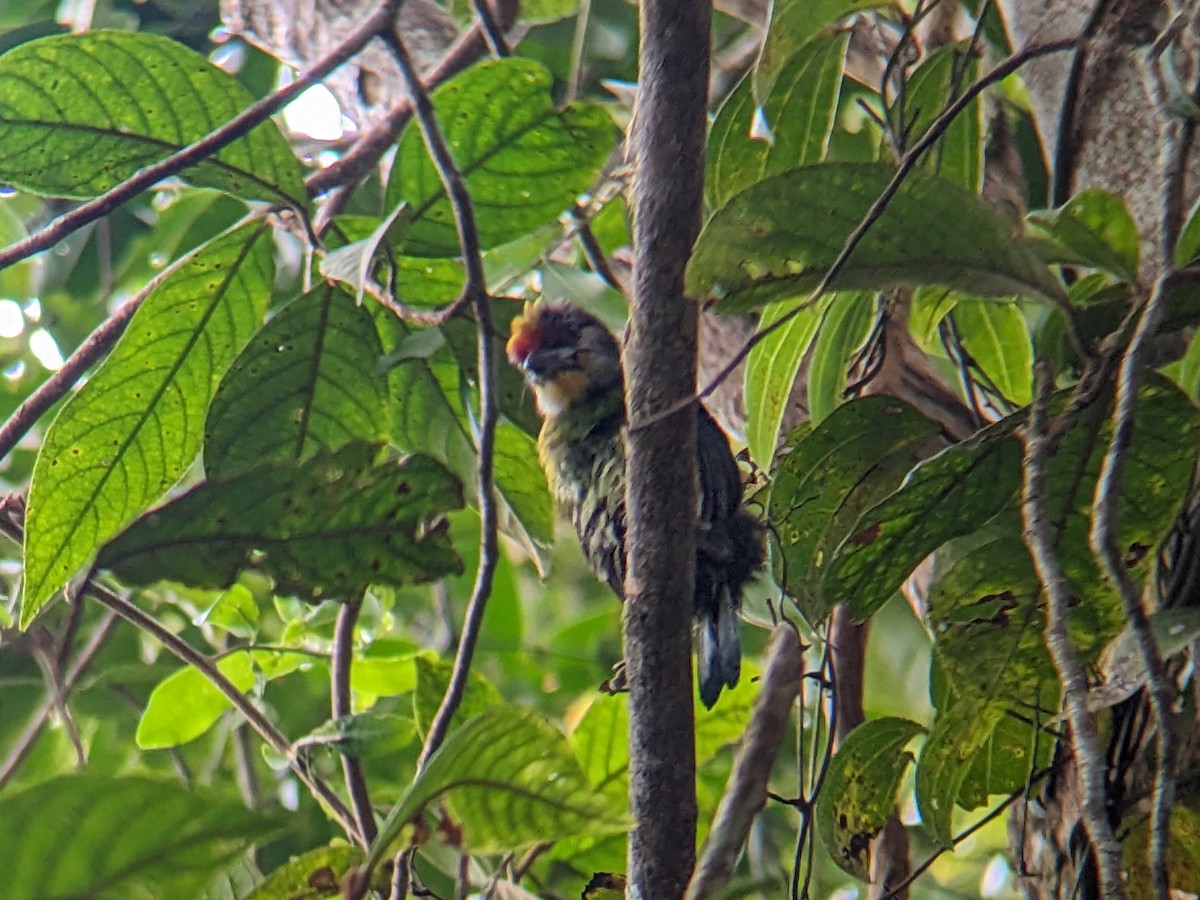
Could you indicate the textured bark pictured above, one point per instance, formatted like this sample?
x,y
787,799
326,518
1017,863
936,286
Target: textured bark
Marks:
x,y
667,138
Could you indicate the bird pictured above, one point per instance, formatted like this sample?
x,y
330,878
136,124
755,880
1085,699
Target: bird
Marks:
x,y
572,363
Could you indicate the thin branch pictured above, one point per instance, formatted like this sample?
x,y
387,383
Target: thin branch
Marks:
x,y
746,792
38,720
373,143
906,164
339,682
492,32
1103,536
474,292
898,890
197,152
1038,537
186,653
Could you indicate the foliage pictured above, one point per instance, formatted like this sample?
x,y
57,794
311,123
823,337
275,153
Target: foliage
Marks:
x,y
277,465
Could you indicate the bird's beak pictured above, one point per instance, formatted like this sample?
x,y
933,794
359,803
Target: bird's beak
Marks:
x,y
544,364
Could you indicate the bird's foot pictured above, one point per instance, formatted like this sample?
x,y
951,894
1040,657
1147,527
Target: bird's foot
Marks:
x,y
617,682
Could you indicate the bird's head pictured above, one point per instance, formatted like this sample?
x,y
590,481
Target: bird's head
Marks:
x,y
565,354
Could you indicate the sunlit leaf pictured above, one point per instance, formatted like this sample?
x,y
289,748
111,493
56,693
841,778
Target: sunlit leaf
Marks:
x,y
185,704
134,428
757,249
80,113
524,162
324,528
129,837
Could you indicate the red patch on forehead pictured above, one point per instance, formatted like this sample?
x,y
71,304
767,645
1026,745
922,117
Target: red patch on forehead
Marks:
x,y
526,336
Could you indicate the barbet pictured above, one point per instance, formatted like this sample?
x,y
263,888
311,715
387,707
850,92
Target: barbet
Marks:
x,y
573,364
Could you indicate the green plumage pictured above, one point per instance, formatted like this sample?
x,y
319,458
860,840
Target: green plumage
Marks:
x,y
582,450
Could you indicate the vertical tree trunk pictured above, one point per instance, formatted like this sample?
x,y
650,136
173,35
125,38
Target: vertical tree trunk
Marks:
x,y
668,137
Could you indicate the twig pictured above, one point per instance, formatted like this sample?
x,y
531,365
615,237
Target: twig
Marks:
x,y
474,292
746,792
38,720
906,164
194,153
492,32
186,653
924,867
374,142
1084,738
339,682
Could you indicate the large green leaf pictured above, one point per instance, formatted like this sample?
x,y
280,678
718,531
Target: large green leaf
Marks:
x,y
509,779
308,379
523,161
327,527
113,838
134,428
1095,228
851,461
771,370
759,248
80,113
859,791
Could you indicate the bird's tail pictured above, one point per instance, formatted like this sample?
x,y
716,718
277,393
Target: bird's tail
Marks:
x,y
718,648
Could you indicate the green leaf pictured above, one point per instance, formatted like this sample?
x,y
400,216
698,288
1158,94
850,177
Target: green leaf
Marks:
x,y
433,677
134,428
308,380
351,263
792,23
997,338
509,779
799,110
859,791
771,371
523,161
128,837
937,81
957,737
235,611
966,484
853,459
81,113
327,527
185,704
757,249
846,325
312,875
1095,227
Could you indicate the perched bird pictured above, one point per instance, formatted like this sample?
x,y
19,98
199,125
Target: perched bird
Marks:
x,y
573,364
